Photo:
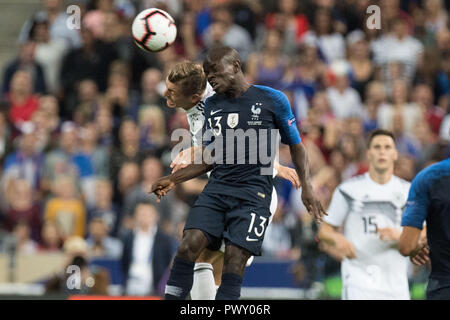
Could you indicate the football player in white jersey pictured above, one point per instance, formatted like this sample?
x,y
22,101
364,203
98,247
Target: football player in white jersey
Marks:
x,y
187,88
369,208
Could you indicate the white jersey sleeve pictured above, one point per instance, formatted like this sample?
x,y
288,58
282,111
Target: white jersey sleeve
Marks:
x,y
338,209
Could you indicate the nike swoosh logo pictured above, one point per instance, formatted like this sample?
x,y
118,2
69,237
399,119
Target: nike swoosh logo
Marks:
x,y
251,239
214,112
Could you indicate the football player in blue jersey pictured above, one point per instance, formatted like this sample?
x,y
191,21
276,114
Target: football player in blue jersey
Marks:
x,y
429,200
234,205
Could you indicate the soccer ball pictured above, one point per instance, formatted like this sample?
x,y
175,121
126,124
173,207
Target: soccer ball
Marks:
x,y
154,30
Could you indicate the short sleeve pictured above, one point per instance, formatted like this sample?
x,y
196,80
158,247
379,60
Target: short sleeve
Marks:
x,y
285,120
338,209
417,203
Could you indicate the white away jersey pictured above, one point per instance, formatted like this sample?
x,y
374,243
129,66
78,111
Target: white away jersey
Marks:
x,y
196,117
361,206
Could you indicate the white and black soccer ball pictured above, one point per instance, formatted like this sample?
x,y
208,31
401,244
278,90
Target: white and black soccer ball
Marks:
x,y
154,30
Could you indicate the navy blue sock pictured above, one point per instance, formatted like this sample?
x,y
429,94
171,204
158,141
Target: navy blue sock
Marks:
x,y
230,289
180,280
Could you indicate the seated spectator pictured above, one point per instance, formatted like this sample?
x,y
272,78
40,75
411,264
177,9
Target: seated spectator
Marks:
x,y
51,237
97,155
399,104
128,149
331,44
375,99
128,178
363,68
104,123
22,208
423,96
153,134
147,253
56,15
23,103
27,161
87,100
104,207
46,120
268,66
99,243
66,207
49,52
69,160
24,243
25,61
151,170
291,22
228,33
344,100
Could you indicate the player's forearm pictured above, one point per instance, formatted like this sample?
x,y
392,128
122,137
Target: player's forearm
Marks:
x,y
190,172
328,235
300,160
409,243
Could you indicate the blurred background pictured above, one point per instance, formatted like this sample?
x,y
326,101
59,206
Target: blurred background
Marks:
x,y
84,131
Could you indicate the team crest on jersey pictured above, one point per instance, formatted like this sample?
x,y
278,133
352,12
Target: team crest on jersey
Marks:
x,y
256,111
233,120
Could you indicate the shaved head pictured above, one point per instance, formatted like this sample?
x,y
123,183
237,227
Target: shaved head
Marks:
x,y
222,53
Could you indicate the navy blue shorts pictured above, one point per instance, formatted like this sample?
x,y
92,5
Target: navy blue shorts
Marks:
x,y
438,289
238,221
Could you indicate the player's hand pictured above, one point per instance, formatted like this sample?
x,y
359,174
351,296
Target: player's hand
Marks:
x,y
313,205
290,175
345,247
389,234
421,257
162,186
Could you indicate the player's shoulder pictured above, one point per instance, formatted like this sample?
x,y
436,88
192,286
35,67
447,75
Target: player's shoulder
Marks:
x,y
402,182
432,172
352,185
271,92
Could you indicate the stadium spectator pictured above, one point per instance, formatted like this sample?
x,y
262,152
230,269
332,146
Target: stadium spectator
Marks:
x,y
268,66
24,243
26,62
51,237
49,53
23,103
147,253
225,32
99,243
53,11
27,161
66,207
22,209
104,207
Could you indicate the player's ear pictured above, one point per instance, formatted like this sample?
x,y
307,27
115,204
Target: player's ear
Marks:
x,y
236,66
195,98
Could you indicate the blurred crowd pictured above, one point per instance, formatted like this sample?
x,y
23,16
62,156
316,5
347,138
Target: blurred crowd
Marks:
x,y
85,130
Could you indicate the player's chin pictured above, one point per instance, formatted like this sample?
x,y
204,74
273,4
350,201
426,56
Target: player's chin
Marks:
x,y
170,104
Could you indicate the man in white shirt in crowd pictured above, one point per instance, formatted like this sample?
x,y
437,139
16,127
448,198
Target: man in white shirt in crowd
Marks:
x,y
369,208
147,252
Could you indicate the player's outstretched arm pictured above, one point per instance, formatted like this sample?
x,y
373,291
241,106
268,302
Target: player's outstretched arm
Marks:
x,y
163,185
300,159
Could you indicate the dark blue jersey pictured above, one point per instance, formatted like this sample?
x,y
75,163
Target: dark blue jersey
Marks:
x,y
244,131
429,200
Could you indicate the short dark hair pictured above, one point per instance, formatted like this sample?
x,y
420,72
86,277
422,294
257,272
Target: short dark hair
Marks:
x,y
379,132
217,53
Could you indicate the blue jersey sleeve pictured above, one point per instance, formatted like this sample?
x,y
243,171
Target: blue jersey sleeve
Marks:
x,y
284,118
418,201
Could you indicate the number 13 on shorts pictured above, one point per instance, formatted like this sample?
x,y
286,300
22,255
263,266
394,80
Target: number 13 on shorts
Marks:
x,y
257,230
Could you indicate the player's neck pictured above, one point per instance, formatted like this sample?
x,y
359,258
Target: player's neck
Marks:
x,y
238,89
380,176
